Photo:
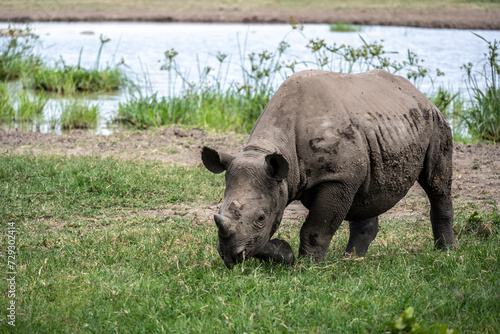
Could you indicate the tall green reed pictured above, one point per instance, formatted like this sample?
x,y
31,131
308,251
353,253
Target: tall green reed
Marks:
x,y
7,111
23,107
78,114
66,79
17,52
210,102
482,115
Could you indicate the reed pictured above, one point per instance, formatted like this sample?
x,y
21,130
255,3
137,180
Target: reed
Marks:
x,y
482,114
17,55
24,107
210,102
65,79
7,111
30,108
345,27
78,114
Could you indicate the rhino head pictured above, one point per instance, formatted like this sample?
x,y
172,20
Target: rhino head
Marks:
x,y
254,200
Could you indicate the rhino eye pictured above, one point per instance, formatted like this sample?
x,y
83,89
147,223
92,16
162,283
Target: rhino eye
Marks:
x,y
261,218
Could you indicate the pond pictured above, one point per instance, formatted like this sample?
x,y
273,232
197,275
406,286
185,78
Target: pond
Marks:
x,y
142,47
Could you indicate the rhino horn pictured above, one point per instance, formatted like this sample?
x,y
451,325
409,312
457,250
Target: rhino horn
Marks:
x,y
222,225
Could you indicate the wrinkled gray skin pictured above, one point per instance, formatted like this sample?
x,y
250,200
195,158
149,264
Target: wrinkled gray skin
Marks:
x,y
349,147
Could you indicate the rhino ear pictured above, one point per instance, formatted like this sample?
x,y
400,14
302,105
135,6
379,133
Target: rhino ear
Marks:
x,y
277,166
214,161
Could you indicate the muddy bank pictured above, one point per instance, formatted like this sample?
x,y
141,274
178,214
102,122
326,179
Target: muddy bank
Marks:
x,y
425,18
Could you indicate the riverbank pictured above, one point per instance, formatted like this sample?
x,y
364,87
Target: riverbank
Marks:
x,y
455,18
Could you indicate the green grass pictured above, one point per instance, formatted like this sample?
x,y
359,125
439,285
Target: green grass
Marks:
x,y
24,107
482,114
96,253
29,107
73,79
203,103
345,27
78,114
231,110
19,61
17,54
7,111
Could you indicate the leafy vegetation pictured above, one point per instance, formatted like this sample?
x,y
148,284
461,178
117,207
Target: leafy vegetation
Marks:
x,y
71,79
107,245
205,104
23,108
17,55
482,116
210,102
345,27
77,114
407,323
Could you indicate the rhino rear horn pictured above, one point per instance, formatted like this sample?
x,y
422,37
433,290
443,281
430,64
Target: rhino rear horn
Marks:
x,y
277,166
214,161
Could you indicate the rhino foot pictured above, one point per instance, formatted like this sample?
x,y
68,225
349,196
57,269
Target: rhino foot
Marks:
x,y
277,251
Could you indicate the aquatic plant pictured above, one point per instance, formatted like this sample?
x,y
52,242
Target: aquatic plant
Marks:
x,y
66,79
7,111
204,102
369,56
30,108
23,107
17,55
78,114
482,116
345,27
209,101
231,110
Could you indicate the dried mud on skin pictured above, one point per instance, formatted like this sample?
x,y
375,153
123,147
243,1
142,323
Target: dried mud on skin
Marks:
x,y
476,168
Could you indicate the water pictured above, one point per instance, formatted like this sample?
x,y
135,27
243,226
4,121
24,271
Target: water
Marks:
x,y
142,47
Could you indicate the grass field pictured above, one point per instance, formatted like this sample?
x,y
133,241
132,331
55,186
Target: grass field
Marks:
x,y
103,246
218,4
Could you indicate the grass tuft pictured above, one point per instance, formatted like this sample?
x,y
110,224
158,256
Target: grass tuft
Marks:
x,y
345,27
17,55
482,117
77,114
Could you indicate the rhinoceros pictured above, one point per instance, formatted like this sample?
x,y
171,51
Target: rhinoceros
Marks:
x,y
349,147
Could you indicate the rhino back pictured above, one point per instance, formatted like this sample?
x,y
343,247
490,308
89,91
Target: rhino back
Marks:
x,y
369,130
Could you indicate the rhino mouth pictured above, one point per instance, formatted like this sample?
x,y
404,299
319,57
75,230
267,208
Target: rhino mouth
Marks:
x,y
233,257
230,259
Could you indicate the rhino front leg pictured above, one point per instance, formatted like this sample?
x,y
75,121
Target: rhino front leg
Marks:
x,y
276,251
361,234
328,204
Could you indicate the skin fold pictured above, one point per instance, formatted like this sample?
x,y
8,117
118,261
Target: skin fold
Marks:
x,y
349,147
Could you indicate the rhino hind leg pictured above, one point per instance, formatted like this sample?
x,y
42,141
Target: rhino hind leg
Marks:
x,y
276,251
435,179
361,234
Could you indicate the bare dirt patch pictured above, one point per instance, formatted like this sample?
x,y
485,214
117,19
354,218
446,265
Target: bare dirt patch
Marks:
x,y
426,18
476,169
